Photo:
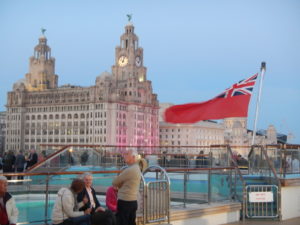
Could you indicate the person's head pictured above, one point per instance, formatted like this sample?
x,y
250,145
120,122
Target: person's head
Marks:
x,y
32,150
77,185
88,179
3,185
130,156
201,152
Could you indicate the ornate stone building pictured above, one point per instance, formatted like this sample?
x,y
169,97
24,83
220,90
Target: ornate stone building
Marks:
x,y
120,109
237,134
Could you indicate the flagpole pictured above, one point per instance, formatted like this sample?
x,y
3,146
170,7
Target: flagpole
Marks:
x,y
262,72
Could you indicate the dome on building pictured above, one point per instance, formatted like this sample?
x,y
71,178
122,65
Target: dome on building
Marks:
x,y
271,127
103,77
237,124
19,85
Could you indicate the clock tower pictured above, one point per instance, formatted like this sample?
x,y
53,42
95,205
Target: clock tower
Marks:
x,y
135,109
129,57
41,74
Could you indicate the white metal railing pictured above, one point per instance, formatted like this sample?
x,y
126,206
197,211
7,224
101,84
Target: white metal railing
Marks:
x,y
156,200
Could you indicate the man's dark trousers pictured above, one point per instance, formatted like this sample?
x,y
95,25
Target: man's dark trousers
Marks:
x,y
126,213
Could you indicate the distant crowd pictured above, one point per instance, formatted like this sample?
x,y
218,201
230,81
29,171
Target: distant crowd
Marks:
x,y
20,162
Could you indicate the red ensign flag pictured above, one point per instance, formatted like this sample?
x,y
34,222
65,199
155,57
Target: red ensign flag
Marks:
x,y
233,102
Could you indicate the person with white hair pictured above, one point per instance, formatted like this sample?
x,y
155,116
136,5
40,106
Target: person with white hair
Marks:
x,y
8,210
128,182
87,197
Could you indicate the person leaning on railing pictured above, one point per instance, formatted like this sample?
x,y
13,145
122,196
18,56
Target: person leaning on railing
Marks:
x,y
8,210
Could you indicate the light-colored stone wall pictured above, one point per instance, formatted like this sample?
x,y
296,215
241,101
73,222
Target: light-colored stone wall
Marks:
x,y
290,202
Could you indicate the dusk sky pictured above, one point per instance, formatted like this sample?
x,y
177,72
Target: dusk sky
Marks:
x,y
193,50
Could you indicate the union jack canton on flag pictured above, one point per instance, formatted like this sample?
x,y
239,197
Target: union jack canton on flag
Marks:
x,y
244,87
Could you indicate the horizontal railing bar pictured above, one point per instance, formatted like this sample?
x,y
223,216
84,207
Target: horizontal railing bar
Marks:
x,y
112,171
196,169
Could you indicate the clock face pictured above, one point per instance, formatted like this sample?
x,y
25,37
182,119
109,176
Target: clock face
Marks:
x,y
123,60
138,61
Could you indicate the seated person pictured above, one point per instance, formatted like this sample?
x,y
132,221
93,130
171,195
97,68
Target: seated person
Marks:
x,y
66,208
111,198
8,210
87,197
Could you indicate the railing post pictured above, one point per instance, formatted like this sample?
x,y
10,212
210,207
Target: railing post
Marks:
x,y
231,186
47,197
209,187
244,202
184,188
